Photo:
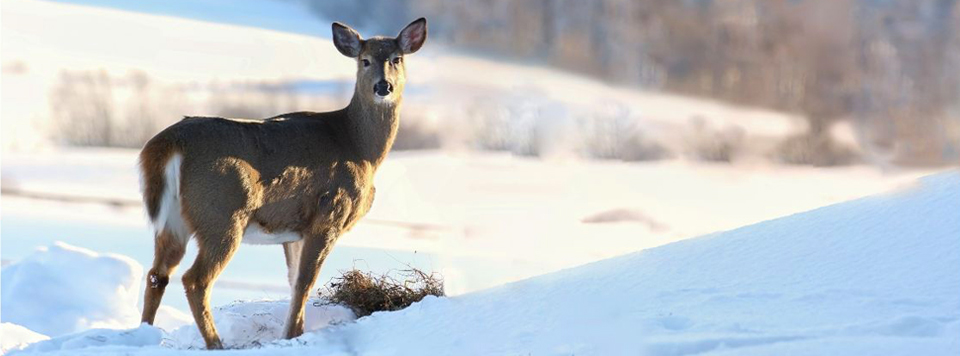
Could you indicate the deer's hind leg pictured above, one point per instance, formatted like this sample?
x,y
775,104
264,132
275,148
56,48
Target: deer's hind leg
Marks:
x,y
168,251
219,213
215,251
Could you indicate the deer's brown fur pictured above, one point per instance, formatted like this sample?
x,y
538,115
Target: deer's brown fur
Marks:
x,y
305,173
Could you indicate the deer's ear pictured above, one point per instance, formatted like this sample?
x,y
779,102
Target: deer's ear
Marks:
x,y
346,40
413,36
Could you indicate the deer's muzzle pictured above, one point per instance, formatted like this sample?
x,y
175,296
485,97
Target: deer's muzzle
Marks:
x,y
383,88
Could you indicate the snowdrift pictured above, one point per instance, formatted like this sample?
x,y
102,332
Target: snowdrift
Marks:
x,y
64,289
85,299
872,276
13,336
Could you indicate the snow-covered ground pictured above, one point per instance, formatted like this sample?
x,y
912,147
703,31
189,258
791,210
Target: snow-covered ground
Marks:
x,y
872,276
479,219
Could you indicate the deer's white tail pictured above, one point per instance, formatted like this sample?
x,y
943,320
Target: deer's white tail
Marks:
x,y
169,216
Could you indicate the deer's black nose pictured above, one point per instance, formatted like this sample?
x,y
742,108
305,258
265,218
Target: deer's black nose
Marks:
x,y
383,88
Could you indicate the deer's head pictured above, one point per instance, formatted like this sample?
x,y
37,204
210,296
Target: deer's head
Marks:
x,y
381,74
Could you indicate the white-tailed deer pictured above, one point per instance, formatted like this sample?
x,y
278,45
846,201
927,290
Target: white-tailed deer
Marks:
x,y
300,179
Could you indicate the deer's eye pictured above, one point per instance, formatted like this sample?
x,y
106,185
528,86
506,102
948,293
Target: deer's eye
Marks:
x,y
366,63
396,60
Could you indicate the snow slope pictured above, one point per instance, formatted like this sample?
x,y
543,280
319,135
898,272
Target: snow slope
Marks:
x,y
286,16
41,40
876,275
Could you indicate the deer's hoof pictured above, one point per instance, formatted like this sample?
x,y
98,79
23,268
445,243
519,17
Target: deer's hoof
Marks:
x,y
214,345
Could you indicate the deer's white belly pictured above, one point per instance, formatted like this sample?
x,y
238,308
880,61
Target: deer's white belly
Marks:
x,y
256,235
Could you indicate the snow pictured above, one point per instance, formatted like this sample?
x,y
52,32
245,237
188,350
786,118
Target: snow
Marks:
x,y
855,274
170,318
62,289
89,299
14,337
253,323
474,218
287,16
871,276
45,39
106,339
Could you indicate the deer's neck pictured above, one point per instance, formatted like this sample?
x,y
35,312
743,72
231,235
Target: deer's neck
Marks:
x,y
372,127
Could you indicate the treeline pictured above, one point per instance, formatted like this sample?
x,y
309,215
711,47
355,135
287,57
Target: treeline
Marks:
x,y
890,66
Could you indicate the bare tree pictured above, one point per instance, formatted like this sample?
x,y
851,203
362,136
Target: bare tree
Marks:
x,y
83,108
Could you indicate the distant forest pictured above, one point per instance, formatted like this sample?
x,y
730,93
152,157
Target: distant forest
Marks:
x,y
890,66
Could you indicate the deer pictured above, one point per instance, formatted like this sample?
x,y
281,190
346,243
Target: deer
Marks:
x,y
300,180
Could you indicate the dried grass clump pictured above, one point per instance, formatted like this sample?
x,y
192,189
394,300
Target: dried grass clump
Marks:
x,y
365,293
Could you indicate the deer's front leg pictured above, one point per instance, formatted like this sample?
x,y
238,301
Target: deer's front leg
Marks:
x,y
315,250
